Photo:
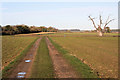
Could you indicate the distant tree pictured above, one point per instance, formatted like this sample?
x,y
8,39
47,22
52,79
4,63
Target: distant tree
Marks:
x,y
0,27
8,30
34,29
43,28
50,29
26,29
99,28
16,31
19,29
23,29
107,30
55,30
93,30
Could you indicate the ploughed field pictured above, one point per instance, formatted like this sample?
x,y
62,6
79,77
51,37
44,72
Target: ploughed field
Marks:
x,y
12,46
100,53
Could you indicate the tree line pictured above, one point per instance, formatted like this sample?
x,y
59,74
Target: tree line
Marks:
x,y
22,29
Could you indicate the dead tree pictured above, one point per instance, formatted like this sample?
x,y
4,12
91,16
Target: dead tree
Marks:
x,y
99,28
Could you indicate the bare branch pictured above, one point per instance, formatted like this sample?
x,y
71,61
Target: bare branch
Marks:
x,y
107,19
107,22
100,20
92,21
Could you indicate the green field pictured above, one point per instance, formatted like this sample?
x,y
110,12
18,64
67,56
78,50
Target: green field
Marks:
x,y
100,53
12,46
42,66
83,70
89,54
80,34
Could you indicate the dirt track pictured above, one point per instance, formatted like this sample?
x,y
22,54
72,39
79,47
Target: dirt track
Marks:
x,y
23,66
61,67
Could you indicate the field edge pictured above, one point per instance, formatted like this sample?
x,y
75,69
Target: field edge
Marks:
x,y
83,69
8,69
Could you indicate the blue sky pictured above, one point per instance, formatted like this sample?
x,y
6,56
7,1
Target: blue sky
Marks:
x,y
62,15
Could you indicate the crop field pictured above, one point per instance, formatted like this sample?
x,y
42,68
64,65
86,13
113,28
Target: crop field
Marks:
x,y
12,46
100,53
80,34
61,55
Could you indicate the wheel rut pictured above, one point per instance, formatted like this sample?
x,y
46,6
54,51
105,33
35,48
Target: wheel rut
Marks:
x,y
61,67
23,69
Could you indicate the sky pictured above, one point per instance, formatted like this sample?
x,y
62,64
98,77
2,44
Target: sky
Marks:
x,y
61,15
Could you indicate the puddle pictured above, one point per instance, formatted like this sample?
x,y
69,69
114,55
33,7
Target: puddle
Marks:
x,y
27,61
21,74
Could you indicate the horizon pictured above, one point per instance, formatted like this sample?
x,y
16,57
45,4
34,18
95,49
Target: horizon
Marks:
x,y
61,15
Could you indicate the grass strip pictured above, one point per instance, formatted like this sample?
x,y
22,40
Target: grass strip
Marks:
x,y
83,69
8,69
42,66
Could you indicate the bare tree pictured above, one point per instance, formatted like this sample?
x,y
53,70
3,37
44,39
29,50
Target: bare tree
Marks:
x,y
99,28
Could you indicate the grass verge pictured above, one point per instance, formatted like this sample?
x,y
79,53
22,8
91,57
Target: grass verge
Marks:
x,y
8,69
83,70
42,66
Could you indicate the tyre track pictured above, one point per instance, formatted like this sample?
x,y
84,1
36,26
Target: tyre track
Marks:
x,y
61,67
23,66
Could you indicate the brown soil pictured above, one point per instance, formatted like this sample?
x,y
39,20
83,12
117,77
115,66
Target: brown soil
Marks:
x,y
61,67
23,66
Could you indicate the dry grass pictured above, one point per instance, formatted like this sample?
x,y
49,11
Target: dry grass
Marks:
x,y
100,53
44,33
34,34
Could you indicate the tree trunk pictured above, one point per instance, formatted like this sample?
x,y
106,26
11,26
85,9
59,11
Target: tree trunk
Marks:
x,y
100,33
